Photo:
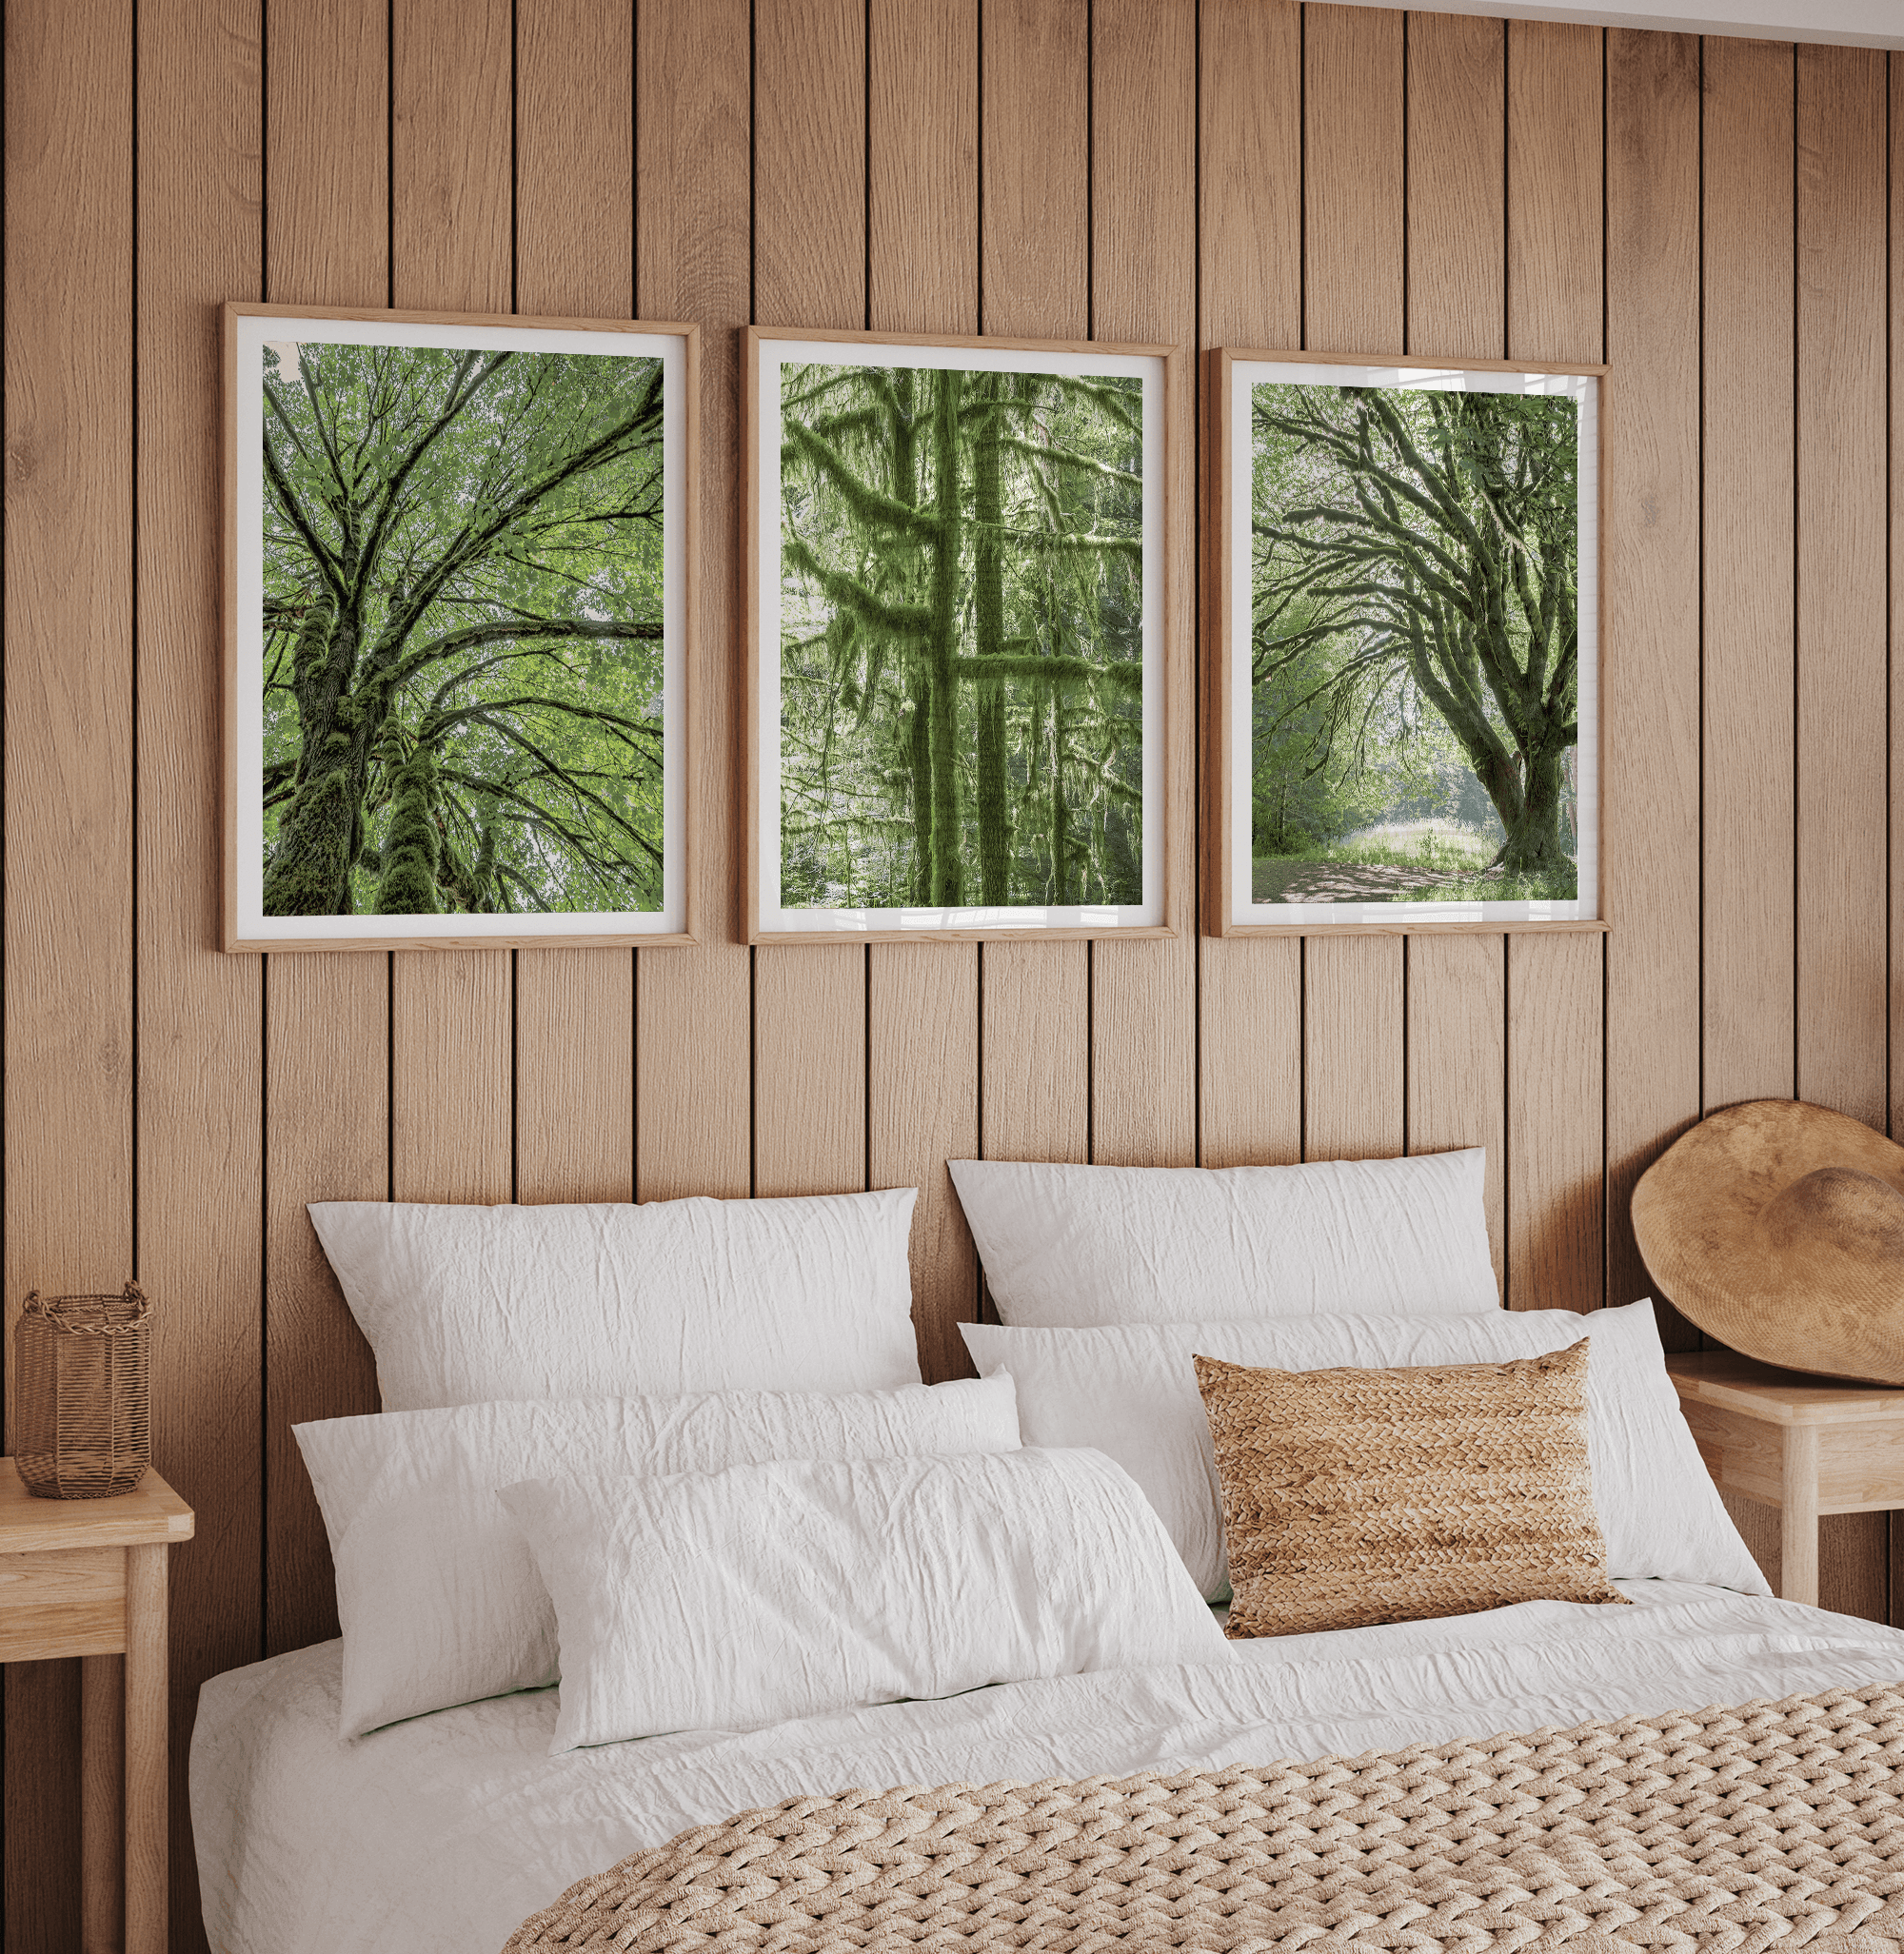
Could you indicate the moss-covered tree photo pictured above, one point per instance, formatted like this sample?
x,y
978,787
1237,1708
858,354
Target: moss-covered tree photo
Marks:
x,y
463,631
961,655
1414,644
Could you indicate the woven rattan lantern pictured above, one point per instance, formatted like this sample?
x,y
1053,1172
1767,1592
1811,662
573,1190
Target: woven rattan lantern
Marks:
x,y
84,1398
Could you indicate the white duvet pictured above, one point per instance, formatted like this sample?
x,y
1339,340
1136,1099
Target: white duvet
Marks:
x,y
447,1831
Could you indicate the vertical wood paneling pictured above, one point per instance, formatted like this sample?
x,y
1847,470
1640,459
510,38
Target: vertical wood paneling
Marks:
x,y
693,1022
922,998
327,1018
1456,308
1456,203
1035,282
1896,353
1250,277
1143,223
809,269
1556,1137
200,1075
575,258
451,1012
68,774
1353,222
1650,712
1748,270
693,159
1843,666
1842,658
1555,216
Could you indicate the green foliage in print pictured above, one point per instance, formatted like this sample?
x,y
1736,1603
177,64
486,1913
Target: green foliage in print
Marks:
x,y
962,647
463,631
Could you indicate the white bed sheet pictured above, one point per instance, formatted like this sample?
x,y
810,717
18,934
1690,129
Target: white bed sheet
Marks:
x,y
446,1832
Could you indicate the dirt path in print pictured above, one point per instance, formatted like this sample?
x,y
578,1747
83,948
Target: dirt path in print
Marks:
x,y
1284,879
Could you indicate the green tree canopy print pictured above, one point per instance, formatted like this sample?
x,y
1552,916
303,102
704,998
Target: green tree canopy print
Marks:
x,y
1414,643
962,637
463,656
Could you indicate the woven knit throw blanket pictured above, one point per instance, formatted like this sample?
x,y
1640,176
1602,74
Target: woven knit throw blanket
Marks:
x,y
1716,1831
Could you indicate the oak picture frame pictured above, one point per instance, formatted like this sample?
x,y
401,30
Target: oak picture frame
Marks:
x,y
245,328
1228,904
767,919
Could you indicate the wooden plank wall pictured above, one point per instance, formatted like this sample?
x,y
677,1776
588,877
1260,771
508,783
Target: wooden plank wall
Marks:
x,y
1718,219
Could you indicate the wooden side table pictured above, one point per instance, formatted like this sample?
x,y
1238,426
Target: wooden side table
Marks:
x,y
87,1577
1801,1444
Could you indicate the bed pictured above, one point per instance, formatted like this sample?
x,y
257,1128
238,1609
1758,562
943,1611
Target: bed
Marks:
x,y
322,1823
447,1831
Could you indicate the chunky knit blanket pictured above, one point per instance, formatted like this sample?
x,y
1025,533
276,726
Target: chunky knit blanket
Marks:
x,y
1713,1832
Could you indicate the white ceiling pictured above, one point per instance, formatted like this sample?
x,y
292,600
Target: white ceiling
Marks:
x,y
1851,23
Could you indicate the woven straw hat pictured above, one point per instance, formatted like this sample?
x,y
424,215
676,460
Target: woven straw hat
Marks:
x,y
1778,1228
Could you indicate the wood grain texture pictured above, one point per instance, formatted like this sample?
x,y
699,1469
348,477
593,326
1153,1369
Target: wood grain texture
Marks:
x,y
147,1612
1143,218
1250,271
1650,626
1555,1176
693,1017
102,1768
922,998
451,229
809,205
327,1018
575,258
1353,231
1747,431
1354,1079
1841,608
201,1049
1457,1061
1455,985
68,980
327,1139
1896,351
1456,203
923,1104
1554,206
1033,268
1353,116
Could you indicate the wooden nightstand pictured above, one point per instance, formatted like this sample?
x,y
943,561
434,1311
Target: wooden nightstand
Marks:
x,y
87,1577
1801,1444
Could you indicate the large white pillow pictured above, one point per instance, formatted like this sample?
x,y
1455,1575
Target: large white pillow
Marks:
x,y
1078,1246
1131,1390
735,1600
462,1305
438,1595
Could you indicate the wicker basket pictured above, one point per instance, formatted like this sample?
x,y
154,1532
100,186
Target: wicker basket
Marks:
x,y
83,1398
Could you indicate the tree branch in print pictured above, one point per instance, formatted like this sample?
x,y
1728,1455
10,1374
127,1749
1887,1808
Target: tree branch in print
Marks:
x,y
961,639
463,631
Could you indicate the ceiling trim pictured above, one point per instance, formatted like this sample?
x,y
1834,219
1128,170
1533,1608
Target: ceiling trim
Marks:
x,y
1843,22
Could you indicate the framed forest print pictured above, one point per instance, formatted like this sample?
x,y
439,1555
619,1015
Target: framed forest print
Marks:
x,y
956,689
1402,715
457,556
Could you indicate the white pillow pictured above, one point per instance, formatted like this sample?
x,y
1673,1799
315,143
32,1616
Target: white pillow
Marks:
x,y
462,1305
437,1594
1078,1246
1131,1390
735,1600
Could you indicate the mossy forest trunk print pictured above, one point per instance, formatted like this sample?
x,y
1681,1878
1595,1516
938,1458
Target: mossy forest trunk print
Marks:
x,y
961,639
1414,644
463,651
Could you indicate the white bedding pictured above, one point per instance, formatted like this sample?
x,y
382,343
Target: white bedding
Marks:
x,y
447,1831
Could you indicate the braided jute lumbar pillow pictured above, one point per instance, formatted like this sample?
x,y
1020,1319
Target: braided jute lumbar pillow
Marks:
x,y
1359,1496
1712,1832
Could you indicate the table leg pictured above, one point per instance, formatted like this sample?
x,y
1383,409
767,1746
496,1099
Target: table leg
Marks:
x,y
101,1829
146,1909
1799,1517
